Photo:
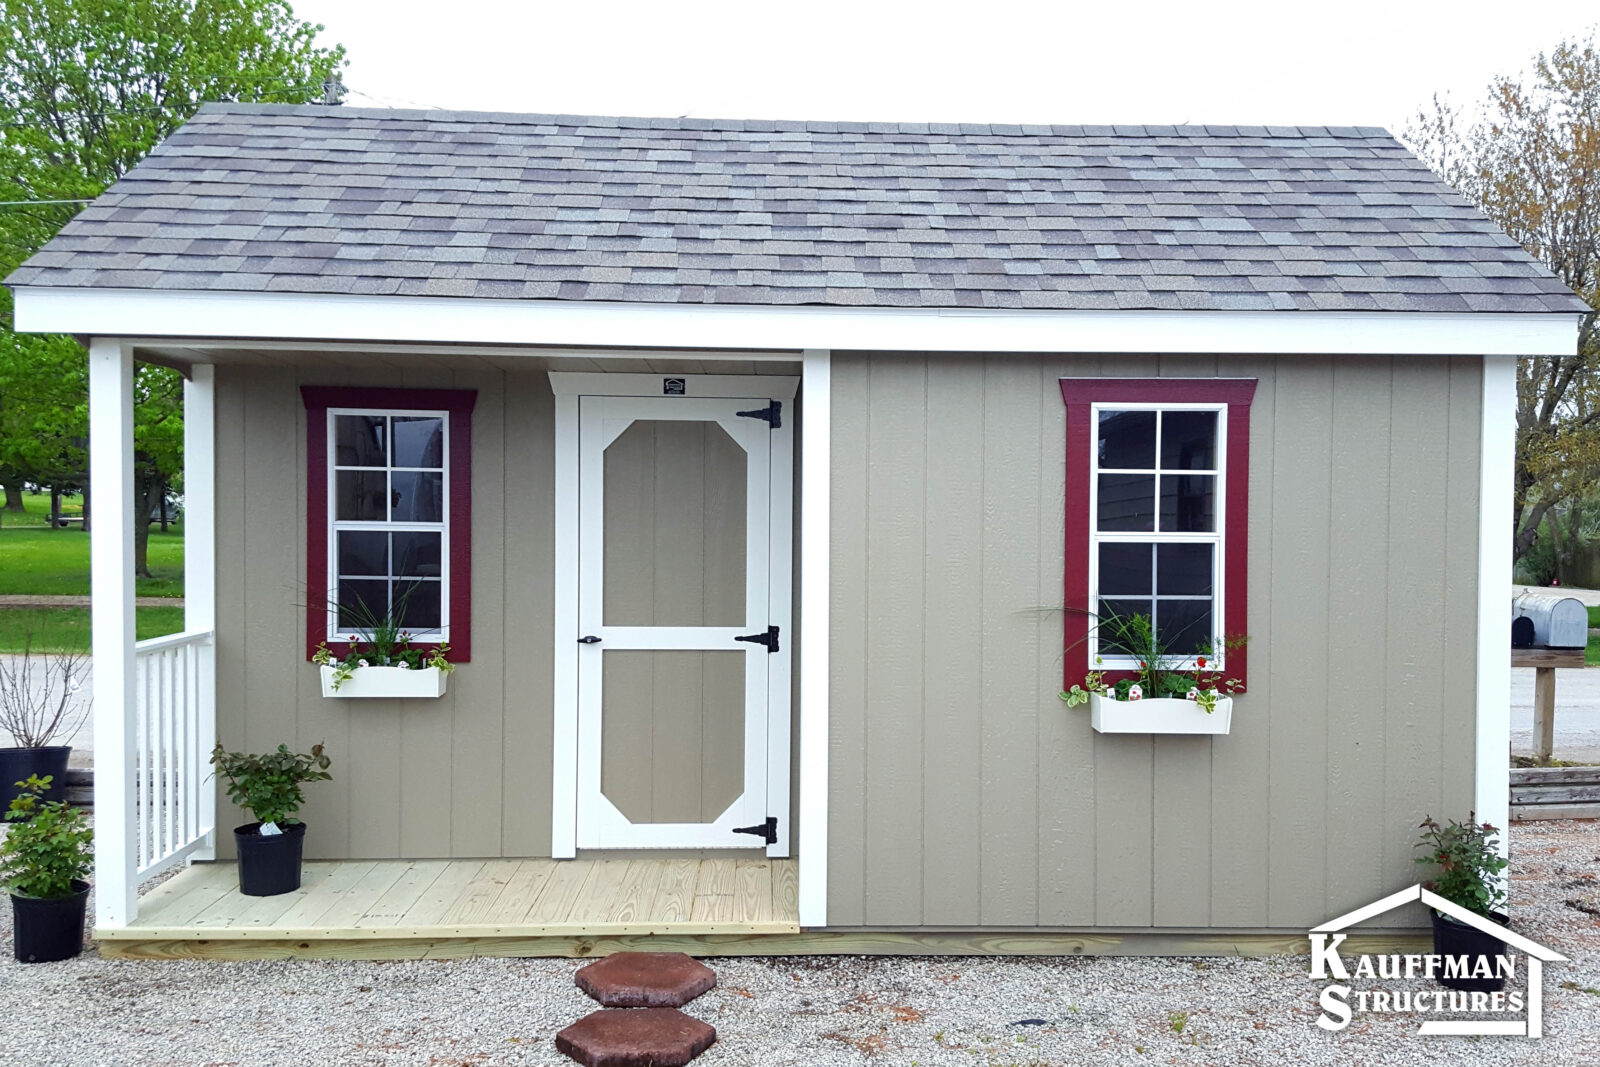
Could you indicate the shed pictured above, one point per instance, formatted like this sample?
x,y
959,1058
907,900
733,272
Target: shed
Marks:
x,y
759,476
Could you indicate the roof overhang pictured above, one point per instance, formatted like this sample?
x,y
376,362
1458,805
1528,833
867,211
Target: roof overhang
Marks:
x,y
131,313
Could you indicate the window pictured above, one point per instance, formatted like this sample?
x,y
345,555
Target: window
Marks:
x,y
1157,473
389,514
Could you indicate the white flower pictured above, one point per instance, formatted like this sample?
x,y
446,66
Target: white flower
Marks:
x,y
362,663
403,665
1135,693
1194,693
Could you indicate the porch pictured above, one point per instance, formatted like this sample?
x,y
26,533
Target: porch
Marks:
x,y
379,909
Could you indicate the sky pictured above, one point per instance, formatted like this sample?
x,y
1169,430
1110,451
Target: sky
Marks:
x,y
1345,62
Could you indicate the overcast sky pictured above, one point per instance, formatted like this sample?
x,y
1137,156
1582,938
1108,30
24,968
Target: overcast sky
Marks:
x,y
1346,62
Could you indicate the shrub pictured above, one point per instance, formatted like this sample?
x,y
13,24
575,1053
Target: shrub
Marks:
x,y
49,847
1469,863
268,786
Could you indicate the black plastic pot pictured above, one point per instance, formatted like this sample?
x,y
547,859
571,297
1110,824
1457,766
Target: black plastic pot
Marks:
x,y
1452,938
16,764
269,865
49,930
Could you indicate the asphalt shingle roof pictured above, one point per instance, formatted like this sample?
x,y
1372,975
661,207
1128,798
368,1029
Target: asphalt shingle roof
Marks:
x,y
343,200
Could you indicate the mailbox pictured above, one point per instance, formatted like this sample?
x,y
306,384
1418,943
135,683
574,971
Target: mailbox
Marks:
x,y
1558,621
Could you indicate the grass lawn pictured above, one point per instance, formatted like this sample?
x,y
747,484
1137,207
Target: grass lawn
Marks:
x,y
36,510
49,562
67,629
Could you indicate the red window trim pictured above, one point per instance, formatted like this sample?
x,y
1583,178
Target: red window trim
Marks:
x,y
1079,394
459,403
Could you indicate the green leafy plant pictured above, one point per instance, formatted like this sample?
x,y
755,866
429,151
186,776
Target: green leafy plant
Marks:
x,y
1159,672
1467,858
388,644
268,786
49,846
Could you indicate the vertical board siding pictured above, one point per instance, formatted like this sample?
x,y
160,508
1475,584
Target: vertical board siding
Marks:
x,y
947,574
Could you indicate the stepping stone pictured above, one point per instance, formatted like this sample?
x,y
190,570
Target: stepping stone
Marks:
x,y
646,979
636,1037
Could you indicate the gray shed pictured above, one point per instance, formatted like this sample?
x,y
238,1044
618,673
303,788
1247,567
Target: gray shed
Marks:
x,y
759,476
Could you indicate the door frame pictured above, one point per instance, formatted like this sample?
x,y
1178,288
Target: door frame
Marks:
x,y
568,388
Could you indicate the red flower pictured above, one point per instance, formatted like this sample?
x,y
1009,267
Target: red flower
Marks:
x,y
1200,662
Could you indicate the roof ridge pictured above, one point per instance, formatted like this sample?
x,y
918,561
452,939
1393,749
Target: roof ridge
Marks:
x,y
1189,131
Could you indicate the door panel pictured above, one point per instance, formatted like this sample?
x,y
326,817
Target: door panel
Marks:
x,y
675,503
674,517
672,734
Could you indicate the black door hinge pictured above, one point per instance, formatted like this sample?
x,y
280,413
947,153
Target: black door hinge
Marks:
x,y
767,831
770,639
772,414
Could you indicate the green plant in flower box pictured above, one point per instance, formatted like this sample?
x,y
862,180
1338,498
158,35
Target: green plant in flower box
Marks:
x,y
1159,673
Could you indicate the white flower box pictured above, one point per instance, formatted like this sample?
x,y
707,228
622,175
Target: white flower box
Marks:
x,y
1158,715
386,682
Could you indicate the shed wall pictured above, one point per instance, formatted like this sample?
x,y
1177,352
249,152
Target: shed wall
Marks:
x,y
963,793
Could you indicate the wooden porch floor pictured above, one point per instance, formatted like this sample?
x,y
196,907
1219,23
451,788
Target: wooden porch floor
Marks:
x,y
452,903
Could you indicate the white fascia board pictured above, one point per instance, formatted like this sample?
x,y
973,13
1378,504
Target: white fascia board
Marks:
x,y
128,313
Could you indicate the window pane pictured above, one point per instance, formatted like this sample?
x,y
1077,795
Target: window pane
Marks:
x,y
1128,439
361,604
1125,569
363,552
359,495
1188,440
417,497
1184,626
417,605
418,441
1114,617
418,555
358,441
1182,570
1127,502
1188,503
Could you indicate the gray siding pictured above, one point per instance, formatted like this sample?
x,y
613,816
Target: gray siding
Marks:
x,y
963,793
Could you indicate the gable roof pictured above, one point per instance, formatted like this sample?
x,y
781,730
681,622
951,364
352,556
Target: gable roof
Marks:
x,y
312,199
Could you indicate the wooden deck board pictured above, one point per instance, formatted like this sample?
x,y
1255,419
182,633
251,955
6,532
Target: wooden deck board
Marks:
x,y
388,904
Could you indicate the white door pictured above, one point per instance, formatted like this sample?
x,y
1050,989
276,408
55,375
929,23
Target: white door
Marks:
x,y
676,627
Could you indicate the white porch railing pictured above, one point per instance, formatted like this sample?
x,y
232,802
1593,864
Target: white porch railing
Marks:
x,y
174,728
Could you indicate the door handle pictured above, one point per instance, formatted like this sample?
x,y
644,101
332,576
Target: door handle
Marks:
x,y
589,640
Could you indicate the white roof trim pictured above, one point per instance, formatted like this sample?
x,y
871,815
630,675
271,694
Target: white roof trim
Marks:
x,y
1438,903
134,313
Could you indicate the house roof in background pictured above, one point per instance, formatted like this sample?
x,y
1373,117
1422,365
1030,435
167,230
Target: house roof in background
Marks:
x,y
308,199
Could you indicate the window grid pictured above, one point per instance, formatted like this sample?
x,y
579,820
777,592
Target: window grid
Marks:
x,y
388,525
1157,536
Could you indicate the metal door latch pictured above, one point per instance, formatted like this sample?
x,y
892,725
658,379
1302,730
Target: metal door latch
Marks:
x,y
772,414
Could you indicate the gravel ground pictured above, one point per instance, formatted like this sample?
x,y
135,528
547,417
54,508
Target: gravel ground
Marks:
x,y
800,1010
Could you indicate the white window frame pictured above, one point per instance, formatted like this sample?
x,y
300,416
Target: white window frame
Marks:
x,y
1218,538
335,524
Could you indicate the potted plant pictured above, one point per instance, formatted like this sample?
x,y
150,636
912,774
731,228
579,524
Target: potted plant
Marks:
x,y
41,702
44,862
1467,859
1162,695
268,786
388,664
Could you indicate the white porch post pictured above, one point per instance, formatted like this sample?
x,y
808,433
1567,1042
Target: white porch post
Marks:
x,y
815,504
111,585
1492,794
200,574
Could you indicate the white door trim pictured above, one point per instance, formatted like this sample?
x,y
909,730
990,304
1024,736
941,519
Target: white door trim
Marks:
x,y
569,751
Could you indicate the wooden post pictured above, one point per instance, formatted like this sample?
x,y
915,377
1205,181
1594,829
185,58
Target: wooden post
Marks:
x,y
1544,712
200,572
111,585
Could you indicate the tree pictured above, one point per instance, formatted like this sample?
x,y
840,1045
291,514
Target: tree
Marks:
x,y
87,88
1530,158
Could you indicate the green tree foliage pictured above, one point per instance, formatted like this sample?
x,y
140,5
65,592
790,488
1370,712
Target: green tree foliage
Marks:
x,y
1530,158
87,88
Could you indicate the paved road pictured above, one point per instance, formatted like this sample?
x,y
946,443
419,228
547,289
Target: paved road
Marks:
x,y
83,743
1577,713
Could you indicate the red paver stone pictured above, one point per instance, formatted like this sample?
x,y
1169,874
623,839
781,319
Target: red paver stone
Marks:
x,y
636,1037
646,979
